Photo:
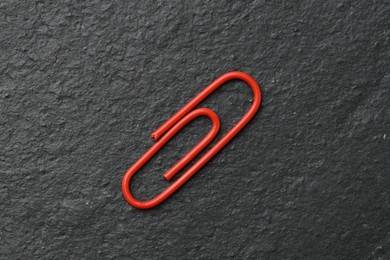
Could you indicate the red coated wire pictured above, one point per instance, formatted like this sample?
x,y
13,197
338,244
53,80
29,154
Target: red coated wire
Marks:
x,y
185,115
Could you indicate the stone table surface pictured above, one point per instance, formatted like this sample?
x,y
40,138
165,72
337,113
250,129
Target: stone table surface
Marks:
x,y
84,83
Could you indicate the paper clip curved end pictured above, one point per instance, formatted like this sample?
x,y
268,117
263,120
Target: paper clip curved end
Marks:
x,y
130,198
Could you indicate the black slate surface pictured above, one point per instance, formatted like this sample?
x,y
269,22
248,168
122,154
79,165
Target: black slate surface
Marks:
x,y
84,83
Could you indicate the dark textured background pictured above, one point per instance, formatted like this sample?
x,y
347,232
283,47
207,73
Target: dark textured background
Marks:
x,y
84,83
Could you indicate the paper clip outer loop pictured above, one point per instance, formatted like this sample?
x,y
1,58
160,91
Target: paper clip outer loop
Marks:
x,y
165,132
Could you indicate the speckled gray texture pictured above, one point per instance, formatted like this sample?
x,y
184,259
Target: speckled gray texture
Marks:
x,y
84,83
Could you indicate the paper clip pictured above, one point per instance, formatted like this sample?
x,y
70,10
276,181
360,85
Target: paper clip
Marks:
x,y
185,115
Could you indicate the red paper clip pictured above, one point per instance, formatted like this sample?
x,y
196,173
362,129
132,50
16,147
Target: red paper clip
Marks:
x,y
165,132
